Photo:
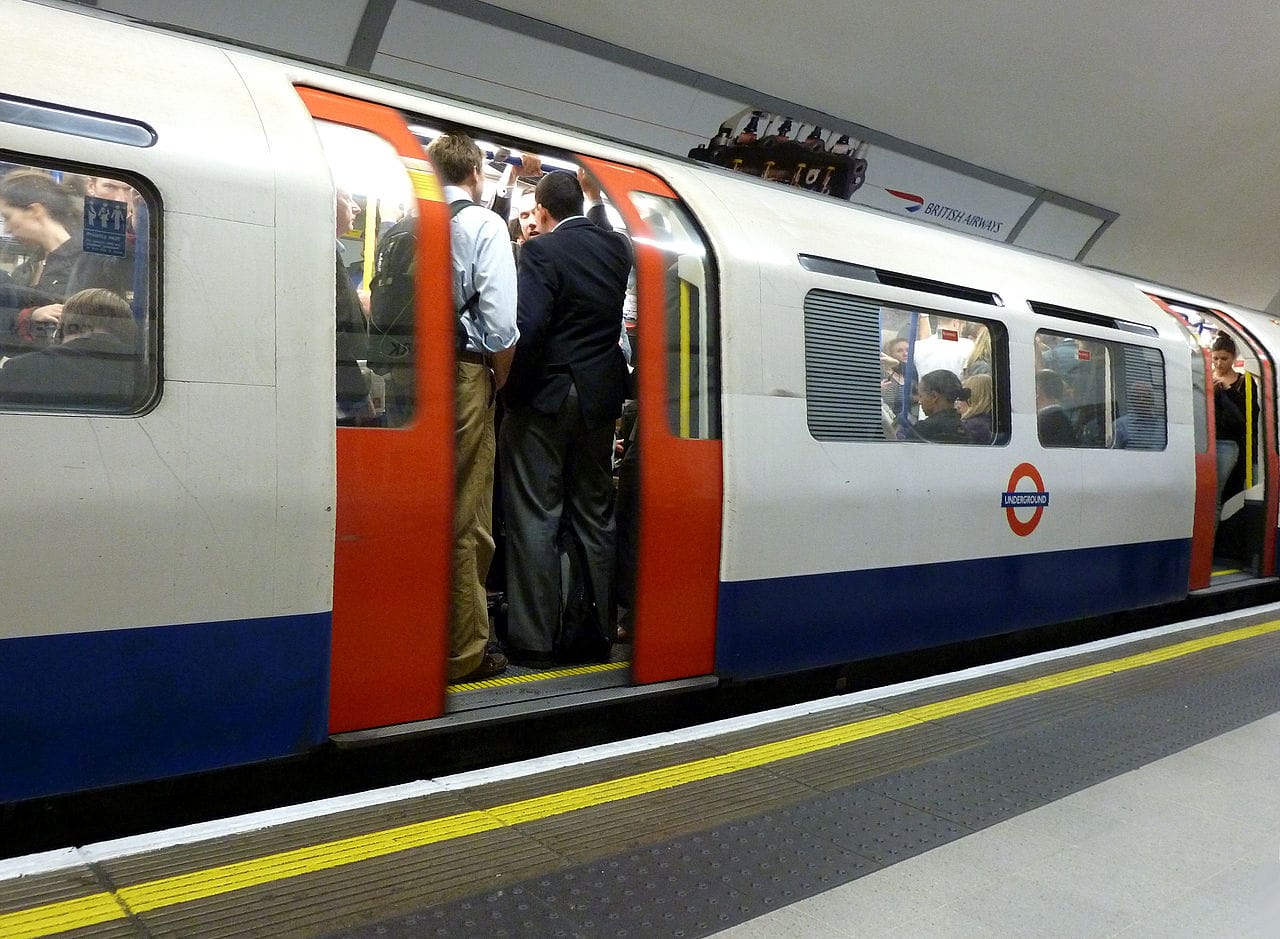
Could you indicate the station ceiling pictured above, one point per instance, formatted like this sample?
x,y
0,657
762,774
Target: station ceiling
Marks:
x,y
1164,112
1167,113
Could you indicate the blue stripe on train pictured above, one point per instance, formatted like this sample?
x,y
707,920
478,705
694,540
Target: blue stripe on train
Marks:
x,y
86,710
790,623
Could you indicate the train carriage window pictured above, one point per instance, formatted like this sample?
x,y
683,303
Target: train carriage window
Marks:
x,y
374,268
1099,394
693,338
875,371
78,269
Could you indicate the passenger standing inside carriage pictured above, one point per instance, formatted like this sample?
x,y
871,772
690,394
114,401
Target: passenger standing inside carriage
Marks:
x,y
980,358
945,348
42,214
353,403
484,293
894,374
114,272
96,365
1230,416
939,392
567,386
1141,426
1054,426
975,413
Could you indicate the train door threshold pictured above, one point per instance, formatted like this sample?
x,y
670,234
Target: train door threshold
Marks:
x,y
1226,577
513,706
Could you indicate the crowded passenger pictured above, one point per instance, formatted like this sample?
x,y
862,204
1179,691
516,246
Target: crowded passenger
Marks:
x,y
114,272
894,374
484,293
1140,427
352,344
566,390
1231,411
975,413
1055,427
1061,354
980,358
526,223
939,392
95,365
943,348
42,214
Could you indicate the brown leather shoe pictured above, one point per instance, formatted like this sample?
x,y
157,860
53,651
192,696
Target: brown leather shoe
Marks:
x,y
493,663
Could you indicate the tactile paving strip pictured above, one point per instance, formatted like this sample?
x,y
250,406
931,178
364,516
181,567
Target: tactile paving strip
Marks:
x,y
706,881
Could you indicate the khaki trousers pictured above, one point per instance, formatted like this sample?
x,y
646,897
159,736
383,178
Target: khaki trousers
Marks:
x,y
473,518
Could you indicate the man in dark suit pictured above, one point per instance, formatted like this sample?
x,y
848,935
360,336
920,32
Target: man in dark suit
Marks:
x,y
563,397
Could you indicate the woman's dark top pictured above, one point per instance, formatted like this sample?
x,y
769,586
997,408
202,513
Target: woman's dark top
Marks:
x,y
977,427
1229,424
17,333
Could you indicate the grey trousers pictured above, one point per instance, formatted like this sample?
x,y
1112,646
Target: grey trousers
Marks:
x,y
555,471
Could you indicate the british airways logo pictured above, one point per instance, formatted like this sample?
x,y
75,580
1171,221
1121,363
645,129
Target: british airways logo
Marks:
x,y
917,202
946,213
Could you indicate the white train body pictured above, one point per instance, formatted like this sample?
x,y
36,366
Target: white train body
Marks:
x,y
169,575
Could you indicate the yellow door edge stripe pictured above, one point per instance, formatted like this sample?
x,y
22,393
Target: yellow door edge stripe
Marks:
x,y
185,888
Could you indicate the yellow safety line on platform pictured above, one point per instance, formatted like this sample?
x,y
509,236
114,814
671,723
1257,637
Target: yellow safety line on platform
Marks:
x,y
1223,573
184,888
540,676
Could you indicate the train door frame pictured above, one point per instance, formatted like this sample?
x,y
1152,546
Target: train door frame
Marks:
x,y
1204,530
394,508
1266,447
681,477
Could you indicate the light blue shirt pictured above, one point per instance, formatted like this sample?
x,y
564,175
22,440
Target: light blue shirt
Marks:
x,y
482,262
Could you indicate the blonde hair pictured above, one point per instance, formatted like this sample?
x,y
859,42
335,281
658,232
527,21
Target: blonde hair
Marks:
x,y
979,394
981,348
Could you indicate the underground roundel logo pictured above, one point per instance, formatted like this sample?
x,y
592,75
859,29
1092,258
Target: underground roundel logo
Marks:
x,y
1015,500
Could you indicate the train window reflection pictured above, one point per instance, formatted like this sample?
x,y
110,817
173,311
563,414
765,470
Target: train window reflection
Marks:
x,y
78,329
1098,394
876,371
376,234
693,337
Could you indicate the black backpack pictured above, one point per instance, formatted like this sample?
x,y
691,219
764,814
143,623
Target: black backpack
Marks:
x,y
391,294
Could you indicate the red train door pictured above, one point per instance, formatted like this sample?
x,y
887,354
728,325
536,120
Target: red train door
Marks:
x,y
681,470
395,484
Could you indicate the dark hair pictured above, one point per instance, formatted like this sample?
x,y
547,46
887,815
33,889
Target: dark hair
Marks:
x,y
24,188
98,310
1223,343
513,229
455,156
1050,384
560,194
945,385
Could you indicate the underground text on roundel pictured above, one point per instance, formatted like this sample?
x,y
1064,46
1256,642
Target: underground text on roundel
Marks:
x,y
1019,499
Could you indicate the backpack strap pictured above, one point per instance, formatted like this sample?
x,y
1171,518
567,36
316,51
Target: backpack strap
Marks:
x,y
456,206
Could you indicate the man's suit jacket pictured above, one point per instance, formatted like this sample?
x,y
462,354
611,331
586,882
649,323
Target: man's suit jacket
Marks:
x,y
572,283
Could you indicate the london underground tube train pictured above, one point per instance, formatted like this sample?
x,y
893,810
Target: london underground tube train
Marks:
x,y
201,569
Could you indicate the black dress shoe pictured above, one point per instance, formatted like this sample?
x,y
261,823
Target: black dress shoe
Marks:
x,y
493,663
